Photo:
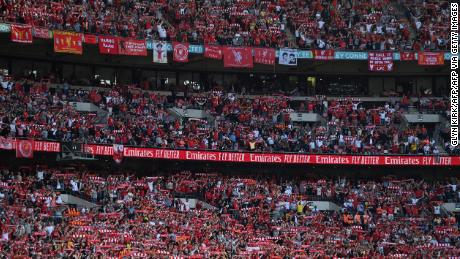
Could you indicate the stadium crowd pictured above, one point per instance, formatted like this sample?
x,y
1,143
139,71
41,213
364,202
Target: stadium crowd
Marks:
x,y
141,118
340,24
254,215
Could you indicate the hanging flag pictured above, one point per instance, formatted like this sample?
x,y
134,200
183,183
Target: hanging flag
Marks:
x,y
90,39
380,61
21,33
6,143
265,56
24,148
118,153
132,47
212,51
68,42
288,57
41,33
320,54
180,51
160,52
238,57
407,56
108,45
431,58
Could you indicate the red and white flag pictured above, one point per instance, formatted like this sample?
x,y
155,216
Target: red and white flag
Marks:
x,y
24,148
108,45
41,33
431,58
118,153
381,61
265,56
320,54
160,52
180,51
90,39
238,57
212,51
407,56
21,33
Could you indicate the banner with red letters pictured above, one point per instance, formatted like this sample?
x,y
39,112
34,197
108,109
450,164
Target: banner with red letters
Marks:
x,y
180,51
108,45
24,148
319,54
280,158
21,33
240,57
431,58
90,39
380,61
264,56
41,33
213,51
407,56
132,47
68,42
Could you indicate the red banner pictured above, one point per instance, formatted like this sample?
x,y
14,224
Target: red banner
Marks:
x,y
90,39
21,33
180,51
264,56
217,156
238,57
211,51
131,47
68,42
407,56
24,148
430,58
381,61
108,45
41,33
320,54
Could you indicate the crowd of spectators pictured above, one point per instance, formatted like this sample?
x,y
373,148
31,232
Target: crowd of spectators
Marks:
x,y
339,24
141,118
254,215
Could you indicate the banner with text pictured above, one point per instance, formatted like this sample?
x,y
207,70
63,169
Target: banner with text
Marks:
x,y
132,47
319,54
108,45
213,51
152,153
430,58
68,42
266,56
381,61
21,33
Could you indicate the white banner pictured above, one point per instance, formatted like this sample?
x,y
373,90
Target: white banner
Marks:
x,y
288,57
160,54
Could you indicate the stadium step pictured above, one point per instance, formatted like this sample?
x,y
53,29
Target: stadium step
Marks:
x,y
79,202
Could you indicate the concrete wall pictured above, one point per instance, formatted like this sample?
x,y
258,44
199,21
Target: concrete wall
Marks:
x,y
190,113
422,118
304,117
70,199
